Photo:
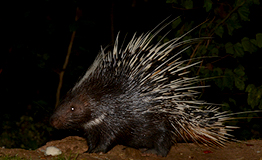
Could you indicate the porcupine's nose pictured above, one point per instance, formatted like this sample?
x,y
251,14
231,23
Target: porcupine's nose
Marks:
x,y
55,122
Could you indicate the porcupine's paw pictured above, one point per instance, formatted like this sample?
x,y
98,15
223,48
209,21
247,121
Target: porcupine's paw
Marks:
x,y
99,149
102,147
150,152
162,145
153,152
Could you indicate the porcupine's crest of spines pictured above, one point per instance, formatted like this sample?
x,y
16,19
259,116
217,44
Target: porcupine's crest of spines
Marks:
x,y
156,72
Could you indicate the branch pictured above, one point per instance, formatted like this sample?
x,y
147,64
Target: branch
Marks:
x,y
61,74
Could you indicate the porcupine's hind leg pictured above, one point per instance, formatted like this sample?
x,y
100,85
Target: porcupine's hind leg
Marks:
x,y
153,136
161,144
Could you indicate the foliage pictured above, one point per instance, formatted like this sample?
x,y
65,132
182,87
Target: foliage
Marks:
x,y
234,48
28,134
11,158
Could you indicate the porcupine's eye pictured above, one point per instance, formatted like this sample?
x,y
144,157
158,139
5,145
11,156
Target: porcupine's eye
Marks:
x,y
72,108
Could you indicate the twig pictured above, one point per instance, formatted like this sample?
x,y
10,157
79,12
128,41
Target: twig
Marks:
x,y
61,74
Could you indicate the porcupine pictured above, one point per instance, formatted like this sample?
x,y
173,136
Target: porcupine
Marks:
x,y
140,97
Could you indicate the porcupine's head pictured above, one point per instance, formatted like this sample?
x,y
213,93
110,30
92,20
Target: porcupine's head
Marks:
x,y
73,111
100,91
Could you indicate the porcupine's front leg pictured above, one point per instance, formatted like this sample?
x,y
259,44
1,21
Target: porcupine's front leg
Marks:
x,y
100,141
103,147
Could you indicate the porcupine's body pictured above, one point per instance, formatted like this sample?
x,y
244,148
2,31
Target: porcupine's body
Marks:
x,y
139,96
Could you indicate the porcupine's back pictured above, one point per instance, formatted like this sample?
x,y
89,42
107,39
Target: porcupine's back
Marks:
x,y
139,96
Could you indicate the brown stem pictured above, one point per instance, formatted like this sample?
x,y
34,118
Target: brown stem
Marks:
x,y
61,74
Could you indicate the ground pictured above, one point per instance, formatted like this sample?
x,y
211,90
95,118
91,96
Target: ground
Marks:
x,y
72,147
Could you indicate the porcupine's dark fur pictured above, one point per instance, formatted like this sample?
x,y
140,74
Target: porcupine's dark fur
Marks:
x,y
140,97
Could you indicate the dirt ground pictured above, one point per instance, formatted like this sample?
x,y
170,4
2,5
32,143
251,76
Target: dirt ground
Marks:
x,y
75,147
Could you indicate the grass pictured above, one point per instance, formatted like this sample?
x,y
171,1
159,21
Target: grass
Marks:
x,y
60,157
7,157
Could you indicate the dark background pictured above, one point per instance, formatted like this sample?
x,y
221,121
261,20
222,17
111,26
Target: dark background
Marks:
x,y
35,38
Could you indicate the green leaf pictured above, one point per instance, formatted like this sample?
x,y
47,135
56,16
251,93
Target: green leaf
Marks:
x,y
239,79
254,95
228,79
202,50
259,40
188,4
260,105
239,83
225,107
208,5
254,42
171,1
236,50
165,40
219,31
240,71
259,93
176,23
257,98
250,116
214,51
247,45
256,2
233,23
250,88
230,30
239,52
232,101
229,48
218,71
244,13
250,99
